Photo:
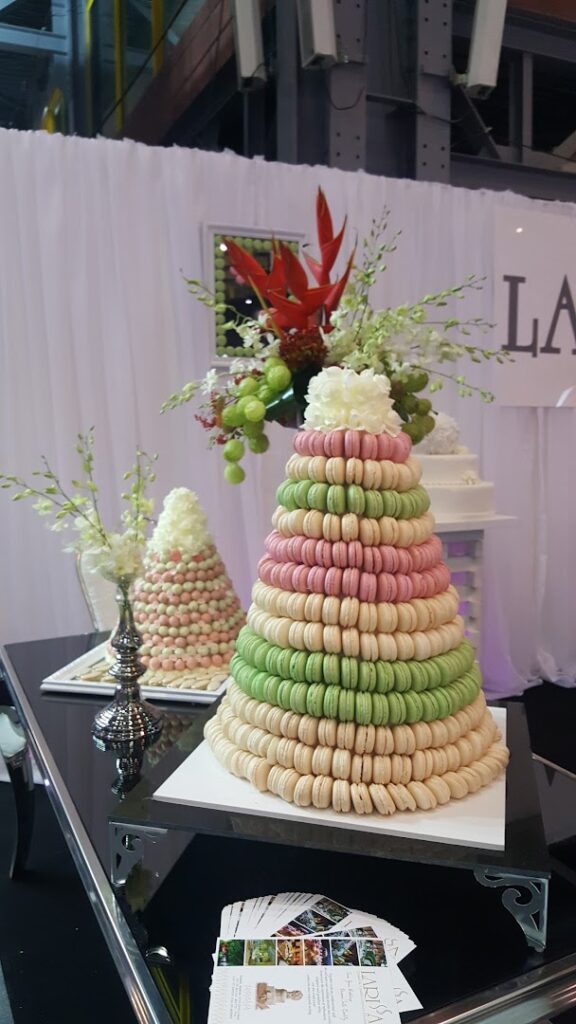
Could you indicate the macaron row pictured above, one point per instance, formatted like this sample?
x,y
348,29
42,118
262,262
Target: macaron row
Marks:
x,y
323,701
353,444
338,499
315,636
333,669
181,561
402,533
353,554
370,474
189,624
183,661
382,740
168,606
385,617
366,586
323,792
341,763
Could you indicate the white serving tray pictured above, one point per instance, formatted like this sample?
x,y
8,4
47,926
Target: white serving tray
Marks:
x,y
479,820
66,680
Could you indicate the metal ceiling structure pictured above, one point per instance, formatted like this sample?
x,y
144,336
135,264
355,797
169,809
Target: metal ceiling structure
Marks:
x,y
163,72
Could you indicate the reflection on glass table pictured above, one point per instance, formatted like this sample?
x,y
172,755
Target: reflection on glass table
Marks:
x,y
158,886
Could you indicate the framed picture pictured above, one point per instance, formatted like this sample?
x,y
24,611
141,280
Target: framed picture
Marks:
x,y
230,289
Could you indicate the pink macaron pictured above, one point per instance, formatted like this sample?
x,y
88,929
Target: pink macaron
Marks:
x,y
385,446
404,561
389,556
356,554
333,581
323,551
334,444
308,552
404,587
340,554
350,582
369,446
402,447
299,578
372,560
316,579
352,443
386,587
292,551
368,587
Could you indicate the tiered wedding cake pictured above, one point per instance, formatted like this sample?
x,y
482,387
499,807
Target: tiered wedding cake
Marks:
x,y
450,474
185,605
354,687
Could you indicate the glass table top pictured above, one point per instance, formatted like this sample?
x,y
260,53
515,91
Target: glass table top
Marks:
x,y
469,949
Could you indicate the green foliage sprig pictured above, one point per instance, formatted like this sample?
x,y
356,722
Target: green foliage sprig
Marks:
x,y
78,505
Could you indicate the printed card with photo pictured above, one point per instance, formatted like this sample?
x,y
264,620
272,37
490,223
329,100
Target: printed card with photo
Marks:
x,y
290,994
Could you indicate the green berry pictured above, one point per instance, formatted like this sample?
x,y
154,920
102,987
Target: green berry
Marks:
x,y
414,431
428,423
248,386
265,393
234,473
409,403
423,406
233,451
278,377
232,415
273,361
254,410
254,429
417,381
259,444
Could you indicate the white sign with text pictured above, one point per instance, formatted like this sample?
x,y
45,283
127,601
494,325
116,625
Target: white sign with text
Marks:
x,y
535,307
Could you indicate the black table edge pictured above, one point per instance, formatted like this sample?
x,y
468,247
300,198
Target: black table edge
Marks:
x,y
145,999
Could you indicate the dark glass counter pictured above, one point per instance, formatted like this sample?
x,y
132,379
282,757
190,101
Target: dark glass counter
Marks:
x,y
158,876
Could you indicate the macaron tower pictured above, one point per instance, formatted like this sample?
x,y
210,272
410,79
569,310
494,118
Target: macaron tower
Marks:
x,y
353,685
185,605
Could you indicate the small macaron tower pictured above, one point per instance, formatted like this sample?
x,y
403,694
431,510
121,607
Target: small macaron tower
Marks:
x,y
354,687
185,606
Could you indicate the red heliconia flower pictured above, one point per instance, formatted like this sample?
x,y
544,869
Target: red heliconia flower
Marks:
x,y
285,293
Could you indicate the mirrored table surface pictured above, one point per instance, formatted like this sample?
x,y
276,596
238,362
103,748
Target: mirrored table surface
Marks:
x,y
158,882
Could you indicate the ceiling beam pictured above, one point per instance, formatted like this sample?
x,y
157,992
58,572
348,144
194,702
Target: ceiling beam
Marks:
x,y
14,39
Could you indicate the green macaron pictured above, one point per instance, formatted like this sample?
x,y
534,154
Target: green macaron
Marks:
x,y
363,707
355,499
318,497
380,710
315,699
331,698
336,502
346,705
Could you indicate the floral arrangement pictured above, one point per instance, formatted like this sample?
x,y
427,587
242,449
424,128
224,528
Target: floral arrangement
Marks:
x,y
308,322
182,525
117,555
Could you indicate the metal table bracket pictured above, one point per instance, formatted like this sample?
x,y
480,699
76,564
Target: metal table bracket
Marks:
x,y
127,848
532,913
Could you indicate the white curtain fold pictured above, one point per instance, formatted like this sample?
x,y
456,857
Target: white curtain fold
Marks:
x,y
97,327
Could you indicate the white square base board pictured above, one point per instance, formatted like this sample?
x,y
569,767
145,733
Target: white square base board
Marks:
x,y
479,820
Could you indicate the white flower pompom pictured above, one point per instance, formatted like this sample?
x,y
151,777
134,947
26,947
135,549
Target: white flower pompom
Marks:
x,y
342,398
182,525
444,439
121,559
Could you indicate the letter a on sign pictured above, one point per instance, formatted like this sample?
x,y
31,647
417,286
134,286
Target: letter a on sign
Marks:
x,y
534,306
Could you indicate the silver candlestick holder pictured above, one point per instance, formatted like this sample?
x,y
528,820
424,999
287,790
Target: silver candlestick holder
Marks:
x,y
128,725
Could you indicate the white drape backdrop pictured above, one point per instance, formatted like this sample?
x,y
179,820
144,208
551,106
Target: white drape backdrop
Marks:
x,y
97,327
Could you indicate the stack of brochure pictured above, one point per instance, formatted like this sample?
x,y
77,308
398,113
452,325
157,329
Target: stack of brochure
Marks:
x,y
306,957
